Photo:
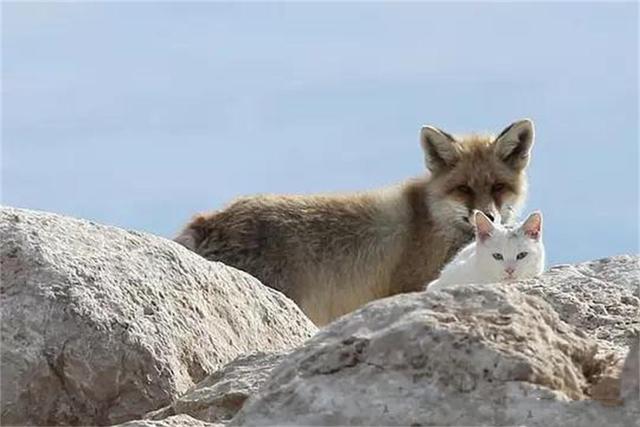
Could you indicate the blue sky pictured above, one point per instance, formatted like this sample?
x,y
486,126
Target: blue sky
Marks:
x,y
141,114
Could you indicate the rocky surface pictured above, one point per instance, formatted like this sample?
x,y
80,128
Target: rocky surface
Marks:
x,y
101,325
601,297
221,395
468,355
174,421
629,387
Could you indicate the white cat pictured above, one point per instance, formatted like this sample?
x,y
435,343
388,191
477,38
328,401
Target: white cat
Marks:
x,y
499,253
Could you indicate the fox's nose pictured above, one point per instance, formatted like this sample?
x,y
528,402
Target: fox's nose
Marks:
x,y
509,270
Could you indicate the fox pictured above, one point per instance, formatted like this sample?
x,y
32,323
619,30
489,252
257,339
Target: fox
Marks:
x,y
332,253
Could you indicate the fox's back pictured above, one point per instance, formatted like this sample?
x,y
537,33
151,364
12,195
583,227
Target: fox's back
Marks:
x,y
312,248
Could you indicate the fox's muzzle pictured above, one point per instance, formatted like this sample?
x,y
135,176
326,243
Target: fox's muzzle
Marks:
x,y
491,212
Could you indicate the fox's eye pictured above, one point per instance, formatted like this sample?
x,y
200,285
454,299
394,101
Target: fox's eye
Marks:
x,y
497,256
465,189
497,188
522,255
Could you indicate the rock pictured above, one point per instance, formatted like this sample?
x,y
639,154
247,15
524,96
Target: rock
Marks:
x,y
601,297
221,395
468,355
630,376
606,385
175,421
101,325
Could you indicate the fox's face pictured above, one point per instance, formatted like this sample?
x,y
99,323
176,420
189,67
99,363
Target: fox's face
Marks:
x,y
477,172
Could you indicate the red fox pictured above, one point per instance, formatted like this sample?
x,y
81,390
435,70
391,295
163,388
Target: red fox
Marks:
x,y
333,253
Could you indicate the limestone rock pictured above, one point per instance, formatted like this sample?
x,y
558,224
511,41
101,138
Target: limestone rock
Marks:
x,y
600,297
175,421
606,385
630,375
221,395
468,355
101,325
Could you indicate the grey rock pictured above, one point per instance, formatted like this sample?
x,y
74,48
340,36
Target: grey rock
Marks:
x,y
630,375
221,395
101,325
468,355
600,297
175,421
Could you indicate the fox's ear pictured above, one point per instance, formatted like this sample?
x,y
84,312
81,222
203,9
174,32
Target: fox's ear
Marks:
x,y
513,145
484,226
439,148
532,226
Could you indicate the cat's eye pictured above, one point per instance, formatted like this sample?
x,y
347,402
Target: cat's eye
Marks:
x,y
498,187
522,255
465,189
497,256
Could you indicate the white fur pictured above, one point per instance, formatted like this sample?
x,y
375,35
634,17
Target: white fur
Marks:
x,y
475,263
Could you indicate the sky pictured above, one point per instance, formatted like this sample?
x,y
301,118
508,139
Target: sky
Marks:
x,y
139,115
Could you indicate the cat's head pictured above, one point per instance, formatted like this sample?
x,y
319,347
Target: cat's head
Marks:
x,y
510,253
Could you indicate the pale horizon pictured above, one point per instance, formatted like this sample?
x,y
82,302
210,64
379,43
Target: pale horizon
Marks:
x,y
140,115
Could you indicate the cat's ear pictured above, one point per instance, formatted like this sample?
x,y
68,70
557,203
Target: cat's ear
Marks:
x,y
513,145
532,226
484,226
440,151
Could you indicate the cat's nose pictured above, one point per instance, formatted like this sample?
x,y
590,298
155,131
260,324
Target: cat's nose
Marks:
x,y
509,270
490,216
